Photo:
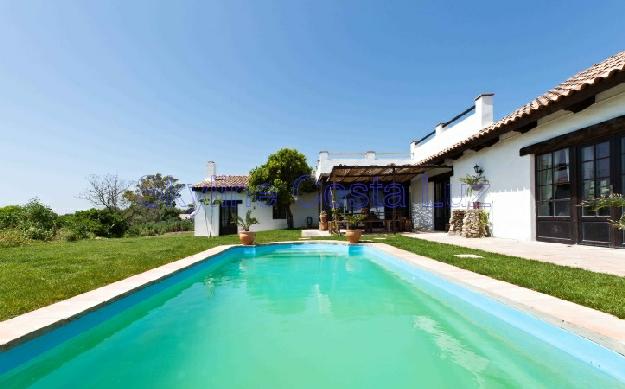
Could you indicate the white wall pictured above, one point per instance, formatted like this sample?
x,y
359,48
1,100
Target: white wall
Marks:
x,y
306,205
510,197
326,161
448,136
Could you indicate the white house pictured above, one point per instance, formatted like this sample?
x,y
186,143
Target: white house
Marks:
x,y
541,161
220,199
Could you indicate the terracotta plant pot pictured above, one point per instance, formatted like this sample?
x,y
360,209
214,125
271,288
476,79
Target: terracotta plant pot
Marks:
x,y
247,237
353,236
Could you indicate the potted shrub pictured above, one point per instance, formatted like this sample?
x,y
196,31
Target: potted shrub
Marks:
x,y
474,183
352,232
323,221
246,236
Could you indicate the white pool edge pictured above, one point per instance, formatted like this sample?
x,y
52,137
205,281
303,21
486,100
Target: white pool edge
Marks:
x,y
602,328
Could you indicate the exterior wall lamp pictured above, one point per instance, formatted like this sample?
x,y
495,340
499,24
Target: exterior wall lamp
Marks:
x,y
478,169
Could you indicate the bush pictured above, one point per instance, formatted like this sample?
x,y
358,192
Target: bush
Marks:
x,y
12,238
95,222
10,216
70,235
35,220
160,228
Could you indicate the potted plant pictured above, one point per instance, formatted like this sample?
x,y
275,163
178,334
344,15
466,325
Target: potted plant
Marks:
x,y
352,232
246,236
475,183
323,221
612,200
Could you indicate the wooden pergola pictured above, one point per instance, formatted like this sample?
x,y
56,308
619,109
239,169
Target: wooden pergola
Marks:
x,y
391,173
383,173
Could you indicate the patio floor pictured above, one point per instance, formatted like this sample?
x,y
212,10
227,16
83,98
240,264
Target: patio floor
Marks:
x,y
597,259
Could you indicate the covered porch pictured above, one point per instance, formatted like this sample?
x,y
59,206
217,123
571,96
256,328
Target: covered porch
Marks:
x,y
380,193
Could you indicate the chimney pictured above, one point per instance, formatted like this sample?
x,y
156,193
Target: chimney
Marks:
x,y
211,170
324,155
370,155
484,109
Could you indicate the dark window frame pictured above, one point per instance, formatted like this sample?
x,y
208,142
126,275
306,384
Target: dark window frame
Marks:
x,y
574,229
279,212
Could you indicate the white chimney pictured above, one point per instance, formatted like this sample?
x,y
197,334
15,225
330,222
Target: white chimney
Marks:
x,y
324,155
370,155
484,109
211,170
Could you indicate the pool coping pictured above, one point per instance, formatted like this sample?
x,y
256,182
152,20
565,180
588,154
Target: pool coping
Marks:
x,y
31,324
599,327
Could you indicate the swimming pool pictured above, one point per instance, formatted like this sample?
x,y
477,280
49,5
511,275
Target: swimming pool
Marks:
x,y
308,315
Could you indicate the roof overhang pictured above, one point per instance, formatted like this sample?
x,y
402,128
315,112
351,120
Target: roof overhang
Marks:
x,y
574,94
382,173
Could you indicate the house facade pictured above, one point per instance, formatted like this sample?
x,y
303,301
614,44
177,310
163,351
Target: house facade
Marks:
x,y
220,199
540,162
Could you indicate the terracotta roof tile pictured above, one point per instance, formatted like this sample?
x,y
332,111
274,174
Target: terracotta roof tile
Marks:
x,y
582,80
223,182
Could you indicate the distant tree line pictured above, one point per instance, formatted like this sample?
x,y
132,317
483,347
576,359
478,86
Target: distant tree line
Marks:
x,y
120,208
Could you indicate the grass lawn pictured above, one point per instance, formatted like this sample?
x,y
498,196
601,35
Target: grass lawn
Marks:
x,y
40,274
602,292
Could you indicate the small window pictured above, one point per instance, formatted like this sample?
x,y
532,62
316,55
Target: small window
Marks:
x,y
279,212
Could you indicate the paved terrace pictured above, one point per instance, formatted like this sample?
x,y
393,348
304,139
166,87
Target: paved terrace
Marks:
x,y
597,259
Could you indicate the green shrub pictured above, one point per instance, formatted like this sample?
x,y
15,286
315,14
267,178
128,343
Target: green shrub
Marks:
x,y
35,220
96,222
69,235
10,216
160,228
12,238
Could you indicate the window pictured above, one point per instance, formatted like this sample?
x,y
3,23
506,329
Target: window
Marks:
x,y
595,162
279,212
553,184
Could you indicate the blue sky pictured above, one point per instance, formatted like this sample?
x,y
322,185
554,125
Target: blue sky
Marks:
x,y
138,87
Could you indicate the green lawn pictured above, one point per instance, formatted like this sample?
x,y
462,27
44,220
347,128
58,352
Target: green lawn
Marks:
x,y
40,274
595,290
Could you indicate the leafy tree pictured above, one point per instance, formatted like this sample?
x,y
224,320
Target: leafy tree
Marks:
x,y
105,191
284,175
155,190
154,199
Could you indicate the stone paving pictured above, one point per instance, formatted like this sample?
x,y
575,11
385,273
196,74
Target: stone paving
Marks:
x,y
597,259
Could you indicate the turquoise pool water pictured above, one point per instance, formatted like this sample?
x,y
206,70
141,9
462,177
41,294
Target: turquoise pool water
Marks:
x,y
306,316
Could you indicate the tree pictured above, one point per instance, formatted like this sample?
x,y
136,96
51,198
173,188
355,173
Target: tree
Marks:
x,y
285,173
105,191
154,198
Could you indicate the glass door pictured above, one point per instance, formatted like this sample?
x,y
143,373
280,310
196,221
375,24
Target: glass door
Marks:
x,y
553,197
595,180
